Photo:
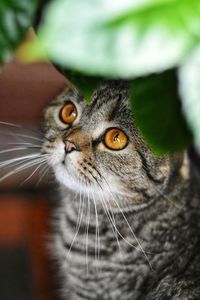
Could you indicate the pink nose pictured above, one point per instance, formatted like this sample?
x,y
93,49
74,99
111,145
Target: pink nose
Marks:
x,y
69,147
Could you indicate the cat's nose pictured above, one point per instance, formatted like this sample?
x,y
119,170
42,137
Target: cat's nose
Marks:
x,y
69,147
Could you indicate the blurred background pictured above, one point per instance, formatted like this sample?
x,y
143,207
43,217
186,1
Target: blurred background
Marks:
x,y
26,272
156,45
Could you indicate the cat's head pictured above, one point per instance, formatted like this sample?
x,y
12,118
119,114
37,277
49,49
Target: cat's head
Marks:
x,y
96,150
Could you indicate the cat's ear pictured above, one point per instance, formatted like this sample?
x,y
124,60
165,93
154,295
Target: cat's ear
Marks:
x,y
110,90
114,87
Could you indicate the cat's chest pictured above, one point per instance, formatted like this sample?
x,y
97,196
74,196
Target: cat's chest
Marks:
x,y
118,258
113,276
105,262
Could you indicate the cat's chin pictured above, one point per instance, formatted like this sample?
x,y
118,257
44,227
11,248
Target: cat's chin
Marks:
x,y
63,177
67,180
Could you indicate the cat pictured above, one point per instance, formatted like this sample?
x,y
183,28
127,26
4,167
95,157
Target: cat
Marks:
x,y
128,221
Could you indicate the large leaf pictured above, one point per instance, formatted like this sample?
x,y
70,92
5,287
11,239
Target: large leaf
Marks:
x,y
157,112
119,38
15,18
86,85
189,77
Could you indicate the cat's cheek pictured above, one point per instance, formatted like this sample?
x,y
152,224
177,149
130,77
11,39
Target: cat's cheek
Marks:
x,y
57,155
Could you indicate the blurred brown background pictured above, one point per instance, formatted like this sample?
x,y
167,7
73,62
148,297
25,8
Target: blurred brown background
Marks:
x,y
25,270
26,89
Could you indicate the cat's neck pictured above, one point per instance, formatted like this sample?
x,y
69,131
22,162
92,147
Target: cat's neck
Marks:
x,y
174,199
141,241
181,184
147,242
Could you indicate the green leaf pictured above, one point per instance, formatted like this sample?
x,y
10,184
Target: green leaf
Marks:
x,y
157,112
15,18
86,85
119,38
189,77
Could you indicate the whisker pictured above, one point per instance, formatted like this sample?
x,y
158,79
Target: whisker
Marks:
x,y
25,144
43,174
19,162
36,169
130,228
18,126
114,227
97,240
119,233
21,168
80,202
10,161
177,205
28,137
87,232
78,224
10,124
160,193
19,135
15,149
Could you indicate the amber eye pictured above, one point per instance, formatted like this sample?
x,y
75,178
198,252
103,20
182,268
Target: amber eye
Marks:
x,y
115,139
68,113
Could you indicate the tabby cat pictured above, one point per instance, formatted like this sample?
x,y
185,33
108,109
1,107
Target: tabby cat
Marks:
x,y
128,222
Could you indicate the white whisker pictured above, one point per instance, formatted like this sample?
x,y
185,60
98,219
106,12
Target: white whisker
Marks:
x,y
97,240
21,168
45,170
130,228
36,169
20,135
10,124
28,144
86,233
14,149
28,137
18,126
17,163
10,161
78,224
113,226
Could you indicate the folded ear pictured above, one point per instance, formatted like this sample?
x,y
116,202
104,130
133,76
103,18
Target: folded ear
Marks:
x,y
114,88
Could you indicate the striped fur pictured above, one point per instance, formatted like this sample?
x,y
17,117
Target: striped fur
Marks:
x,y
127,223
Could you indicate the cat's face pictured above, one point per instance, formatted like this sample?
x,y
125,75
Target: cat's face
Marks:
x,y
96,150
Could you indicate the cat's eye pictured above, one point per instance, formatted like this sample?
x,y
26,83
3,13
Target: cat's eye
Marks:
x,y
115,139
68,113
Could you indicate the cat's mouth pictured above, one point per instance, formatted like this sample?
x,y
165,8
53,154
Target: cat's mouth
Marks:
x,y
67,167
